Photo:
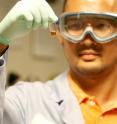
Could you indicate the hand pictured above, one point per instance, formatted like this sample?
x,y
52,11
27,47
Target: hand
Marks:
x,y
23,17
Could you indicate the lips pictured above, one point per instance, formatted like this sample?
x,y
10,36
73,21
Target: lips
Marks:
x,y
89,55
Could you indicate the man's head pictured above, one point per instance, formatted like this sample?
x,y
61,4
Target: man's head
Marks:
x,y
90,5
88,57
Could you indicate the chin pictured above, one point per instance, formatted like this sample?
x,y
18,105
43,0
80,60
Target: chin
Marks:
x,y
90,69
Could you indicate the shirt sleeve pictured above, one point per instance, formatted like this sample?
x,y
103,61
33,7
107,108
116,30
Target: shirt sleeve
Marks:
x,y
2,85
14,107
10,100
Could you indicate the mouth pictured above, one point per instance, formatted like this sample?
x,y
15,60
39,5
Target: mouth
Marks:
x,y
89,55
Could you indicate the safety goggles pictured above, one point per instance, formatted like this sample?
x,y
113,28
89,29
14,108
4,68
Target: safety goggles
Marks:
x,y
74,27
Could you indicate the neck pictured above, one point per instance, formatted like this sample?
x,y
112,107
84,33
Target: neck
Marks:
x,y
103,86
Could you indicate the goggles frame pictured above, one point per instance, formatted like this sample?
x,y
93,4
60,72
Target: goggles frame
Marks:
x,y
88,31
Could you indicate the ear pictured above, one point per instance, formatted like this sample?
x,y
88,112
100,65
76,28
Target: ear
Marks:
x,y
60,38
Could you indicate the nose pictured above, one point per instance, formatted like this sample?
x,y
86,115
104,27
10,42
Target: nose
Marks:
x,y
88,40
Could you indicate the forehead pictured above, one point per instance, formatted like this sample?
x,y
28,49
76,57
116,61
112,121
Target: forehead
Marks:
x,y
89,5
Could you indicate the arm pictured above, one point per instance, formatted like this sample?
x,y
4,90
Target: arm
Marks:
x,y
14,106
2,85
25,16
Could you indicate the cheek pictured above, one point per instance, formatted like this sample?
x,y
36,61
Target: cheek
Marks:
x,y
69,48
70,52
110,52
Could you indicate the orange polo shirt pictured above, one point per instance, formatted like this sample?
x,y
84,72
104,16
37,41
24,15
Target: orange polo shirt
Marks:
x,y
93,112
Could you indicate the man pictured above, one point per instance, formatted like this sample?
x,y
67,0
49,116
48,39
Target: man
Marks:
x,y
92,74
86,93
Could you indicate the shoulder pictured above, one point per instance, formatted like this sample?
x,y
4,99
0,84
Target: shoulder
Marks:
x,y
38,88
30,89
23,87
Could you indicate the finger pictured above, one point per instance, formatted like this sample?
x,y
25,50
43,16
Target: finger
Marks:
x,y
27,18
51,15
36,18
44,15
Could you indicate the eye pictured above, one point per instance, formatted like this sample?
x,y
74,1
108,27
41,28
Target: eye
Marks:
x,y
74,26
103,28
102,25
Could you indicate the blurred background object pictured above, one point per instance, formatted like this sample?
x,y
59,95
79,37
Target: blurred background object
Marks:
x,y
12,78
51,1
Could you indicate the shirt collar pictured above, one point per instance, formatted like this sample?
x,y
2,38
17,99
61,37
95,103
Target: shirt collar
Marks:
x,y
82,96
79,93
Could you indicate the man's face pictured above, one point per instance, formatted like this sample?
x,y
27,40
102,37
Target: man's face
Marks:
x,y
88,57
